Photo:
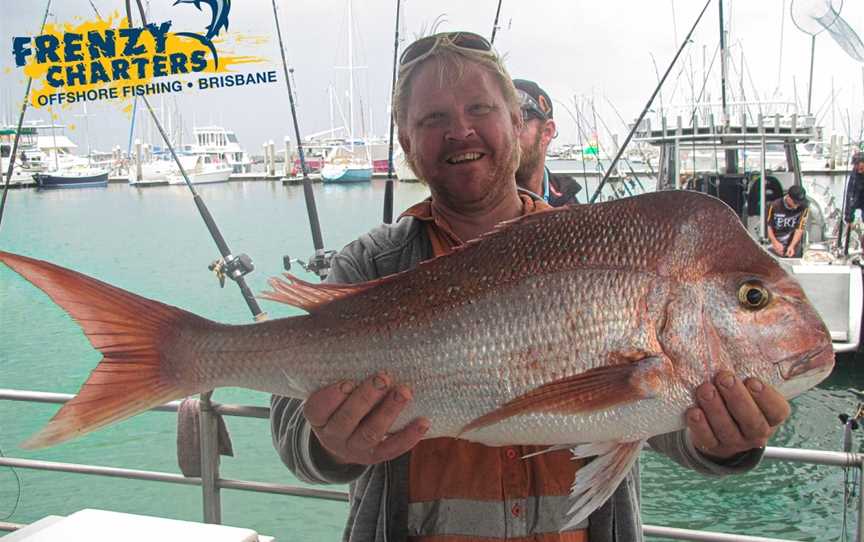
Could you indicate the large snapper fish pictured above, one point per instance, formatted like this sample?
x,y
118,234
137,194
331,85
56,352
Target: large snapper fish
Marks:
x,y
587,326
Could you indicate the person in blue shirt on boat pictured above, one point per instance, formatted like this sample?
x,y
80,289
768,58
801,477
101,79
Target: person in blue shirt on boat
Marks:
x,y
537,133
787,218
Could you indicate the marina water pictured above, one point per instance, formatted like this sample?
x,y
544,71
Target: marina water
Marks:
x,y
152,242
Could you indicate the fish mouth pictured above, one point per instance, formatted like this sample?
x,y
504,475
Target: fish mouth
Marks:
x,y
812,363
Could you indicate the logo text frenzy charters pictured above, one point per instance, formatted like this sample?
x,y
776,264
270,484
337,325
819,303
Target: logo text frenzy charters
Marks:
x,y
109,59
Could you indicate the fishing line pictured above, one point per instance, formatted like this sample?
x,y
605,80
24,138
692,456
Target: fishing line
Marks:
x,y
18,129
626,160
648,105
18,495
92,5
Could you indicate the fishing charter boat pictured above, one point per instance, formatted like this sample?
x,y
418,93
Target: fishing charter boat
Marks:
x,y
830,276
221,141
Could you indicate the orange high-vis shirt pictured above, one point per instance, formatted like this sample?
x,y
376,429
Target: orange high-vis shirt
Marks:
x,y
461,491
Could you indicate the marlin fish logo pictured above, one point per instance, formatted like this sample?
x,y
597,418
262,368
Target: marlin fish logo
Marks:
x,y
219,10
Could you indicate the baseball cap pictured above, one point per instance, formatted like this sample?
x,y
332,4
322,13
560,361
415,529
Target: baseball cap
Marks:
x,y
533,99
797,193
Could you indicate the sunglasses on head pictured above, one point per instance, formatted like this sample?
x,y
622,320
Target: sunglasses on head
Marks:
x,y
422,47
530,107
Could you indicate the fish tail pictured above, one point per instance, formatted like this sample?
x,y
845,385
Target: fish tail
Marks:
x,y
128,329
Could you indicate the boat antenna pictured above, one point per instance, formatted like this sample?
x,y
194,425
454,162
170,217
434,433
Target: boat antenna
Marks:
x,y
388,186
18,129
647,106
319,263
233,266
495,24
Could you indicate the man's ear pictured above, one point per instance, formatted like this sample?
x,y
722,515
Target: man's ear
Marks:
x,y
550,130
405,143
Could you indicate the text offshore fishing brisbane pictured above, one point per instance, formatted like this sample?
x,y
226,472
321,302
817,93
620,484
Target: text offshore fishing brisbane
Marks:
x,y
111,55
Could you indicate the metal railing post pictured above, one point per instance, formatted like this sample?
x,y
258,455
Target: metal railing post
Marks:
x,y
860,466
209,461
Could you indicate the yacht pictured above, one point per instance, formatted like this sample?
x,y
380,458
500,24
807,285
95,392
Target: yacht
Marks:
x,y
223,143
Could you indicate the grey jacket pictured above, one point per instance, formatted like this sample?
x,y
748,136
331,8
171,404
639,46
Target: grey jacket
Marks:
x,y
379,493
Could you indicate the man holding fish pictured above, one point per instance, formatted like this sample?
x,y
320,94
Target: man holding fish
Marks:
x,y
501,334
459,123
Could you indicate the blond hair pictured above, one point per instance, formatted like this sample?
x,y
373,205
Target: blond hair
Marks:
x,y
451,66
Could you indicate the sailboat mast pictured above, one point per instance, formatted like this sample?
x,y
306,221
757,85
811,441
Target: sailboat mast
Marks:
x,y
87,134
723,64
330,97
350,77
731,154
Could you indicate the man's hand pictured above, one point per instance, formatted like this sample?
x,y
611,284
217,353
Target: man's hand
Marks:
x,y
352,422
777,247
790,252
734,416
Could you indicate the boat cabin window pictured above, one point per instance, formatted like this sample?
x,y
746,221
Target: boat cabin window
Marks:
x,y
5,151
232,138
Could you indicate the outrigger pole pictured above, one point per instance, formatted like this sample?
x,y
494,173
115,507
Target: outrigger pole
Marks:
x,y
234,267
388,187
18,129
319,263
647,106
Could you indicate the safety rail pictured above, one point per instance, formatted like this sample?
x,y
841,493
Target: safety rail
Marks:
x,y
211,485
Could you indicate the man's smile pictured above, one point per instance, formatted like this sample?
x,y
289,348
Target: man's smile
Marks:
x,y
463,157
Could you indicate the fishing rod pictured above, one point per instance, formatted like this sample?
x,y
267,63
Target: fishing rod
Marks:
x,y
18,129
626,160
388,187
648,105
641,152
319,263
233,266
495,24
599,149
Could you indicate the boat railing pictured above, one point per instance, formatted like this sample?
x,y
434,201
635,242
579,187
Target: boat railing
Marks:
x,y
212,484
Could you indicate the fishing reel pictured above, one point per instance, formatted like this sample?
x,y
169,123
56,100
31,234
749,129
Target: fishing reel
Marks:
x,y
319,263
233,267
854,422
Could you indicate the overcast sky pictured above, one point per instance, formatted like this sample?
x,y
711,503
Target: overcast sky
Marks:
x,y
573,48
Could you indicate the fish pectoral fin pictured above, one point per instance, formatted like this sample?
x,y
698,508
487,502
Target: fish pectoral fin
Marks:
x,y
597,480
310,297
594,389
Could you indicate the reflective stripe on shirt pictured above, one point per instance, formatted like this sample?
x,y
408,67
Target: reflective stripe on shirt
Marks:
x,y
510,519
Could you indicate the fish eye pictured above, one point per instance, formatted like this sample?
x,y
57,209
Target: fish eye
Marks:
x,y
753,296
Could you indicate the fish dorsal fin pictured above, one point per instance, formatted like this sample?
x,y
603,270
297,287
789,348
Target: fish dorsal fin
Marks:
x,y
311,297
594,389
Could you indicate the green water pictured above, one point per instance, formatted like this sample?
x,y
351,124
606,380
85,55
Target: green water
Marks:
x,y
152,242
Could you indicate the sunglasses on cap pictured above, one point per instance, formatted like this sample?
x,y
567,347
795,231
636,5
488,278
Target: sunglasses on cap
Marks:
x,y
530,107
421,48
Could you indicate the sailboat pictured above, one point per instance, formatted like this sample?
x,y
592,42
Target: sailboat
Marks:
x,y
348,163
71,171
